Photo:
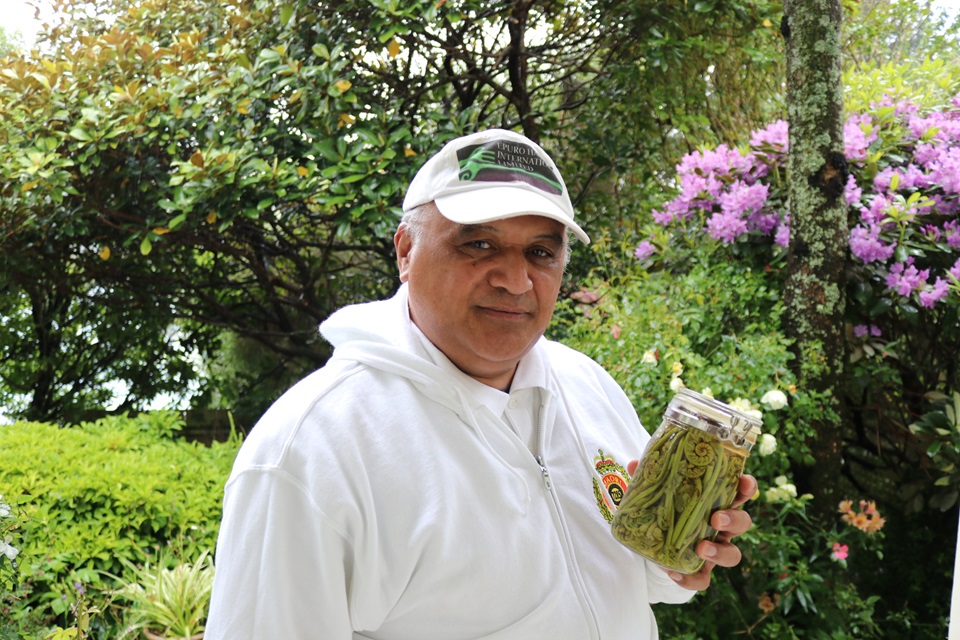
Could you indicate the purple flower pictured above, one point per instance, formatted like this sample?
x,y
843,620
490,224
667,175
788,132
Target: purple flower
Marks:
x,y
644,250
774,138
876,211
743,199
726,226
933,294
951,232
955,270
926,154
945,170
947,129
904,278
865,243
858,134
860,331
851,192
782,234
875,331
901,107
883,180
763,222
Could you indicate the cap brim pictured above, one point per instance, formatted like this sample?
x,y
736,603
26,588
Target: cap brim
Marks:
x,y
499,203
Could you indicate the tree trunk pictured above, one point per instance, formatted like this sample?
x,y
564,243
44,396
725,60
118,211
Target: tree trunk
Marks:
x,y
814,292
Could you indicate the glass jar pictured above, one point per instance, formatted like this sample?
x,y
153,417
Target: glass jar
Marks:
x,y
690,468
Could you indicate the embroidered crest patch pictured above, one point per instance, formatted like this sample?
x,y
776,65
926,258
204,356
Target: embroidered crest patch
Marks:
x,y
614,479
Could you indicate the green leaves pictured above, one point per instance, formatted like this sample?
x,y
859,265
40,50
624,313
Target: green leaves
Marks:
x,y
99,499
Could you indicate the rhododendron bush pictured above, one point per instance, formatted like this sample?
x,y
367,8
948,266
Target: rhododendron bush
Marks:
x,y
903,191
717,249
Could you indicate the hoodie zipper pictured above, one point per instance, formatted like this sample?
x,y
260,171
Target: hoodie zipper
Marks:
x,y
536,454
580,587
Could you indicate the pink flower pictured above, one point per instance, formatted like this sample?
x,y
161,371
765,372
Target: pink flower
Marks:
x,y
904,278
851,192
726,226
930,295
858,134
615,331
839,551
782,234
584,296
644,250
865,243
955,270
774,138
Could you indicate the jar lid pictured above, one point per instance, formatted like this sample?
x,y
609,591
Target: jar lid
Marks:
x,y
709,414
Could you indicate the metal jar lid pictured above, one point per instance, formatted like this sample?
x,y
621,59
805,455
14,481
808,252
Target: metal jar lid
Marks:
x,y
708,414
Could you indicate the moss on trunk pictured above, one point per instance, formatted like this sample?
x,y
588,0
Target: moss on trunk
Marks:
x,y
814,292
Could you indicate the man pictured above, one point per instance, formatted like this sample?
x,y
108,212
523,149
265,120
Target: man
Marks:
x,y
448,473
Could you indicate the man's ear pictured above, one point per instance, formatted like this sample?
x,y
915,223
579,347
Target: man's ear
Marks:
x,y
403,243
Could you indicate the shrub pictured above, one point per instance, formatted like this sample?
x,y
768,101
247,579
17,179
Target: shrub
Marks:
x,y
99,497
170,603
701,308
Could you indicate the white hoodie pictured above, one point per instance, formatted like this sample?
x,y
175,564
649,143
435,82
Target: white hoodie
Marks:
x,y
379,498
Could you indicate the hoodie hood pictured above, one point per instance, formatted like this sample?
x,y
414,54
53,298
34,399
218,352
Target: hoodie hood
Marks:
x,y
381,335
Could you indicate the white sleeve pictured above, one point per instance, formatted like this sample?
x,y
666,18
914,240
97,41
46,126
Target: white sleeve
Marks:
x,y
280,567
662,589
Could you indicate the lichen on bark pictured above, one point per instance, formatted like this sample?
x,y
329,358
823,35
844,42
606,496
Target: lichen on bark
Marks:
x,y
814,293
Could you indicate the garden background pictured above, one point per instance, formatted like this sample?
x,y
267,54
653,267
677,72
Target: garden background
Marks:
x,y
189,187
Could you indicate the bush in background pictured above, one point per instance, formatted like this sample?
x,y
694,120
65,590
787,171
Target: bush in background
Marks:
x,y
93,499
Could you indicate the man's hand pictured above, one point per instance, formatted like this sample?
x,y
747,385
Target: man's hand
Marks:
x,y
729,523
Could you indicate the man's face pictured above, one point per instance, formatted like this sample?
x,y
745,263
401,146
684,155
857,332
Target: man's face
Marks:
x,y
484,293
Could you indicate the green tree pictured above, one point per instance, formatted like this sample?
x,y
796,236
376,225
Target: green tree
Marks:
x,y
238,166
9,42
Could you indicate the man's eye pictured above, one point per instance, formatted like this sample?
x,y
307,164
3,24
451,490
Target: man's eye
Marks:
x,y
539,252
478,244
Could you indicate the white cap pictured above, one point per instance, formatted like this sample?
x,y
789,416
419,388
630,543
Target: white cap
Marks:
x,y
492,175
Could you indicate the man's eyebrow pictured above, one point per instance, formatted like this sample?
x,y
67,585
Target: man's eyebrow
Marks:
x,y
467,229
473,228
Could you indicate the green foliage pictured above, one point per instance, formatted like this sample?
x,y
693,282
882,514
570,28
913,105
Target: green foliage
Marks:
x,y
790,584
9,42
939,430
96,498
240,165
929,83
711,318
169,602
716,320
881,32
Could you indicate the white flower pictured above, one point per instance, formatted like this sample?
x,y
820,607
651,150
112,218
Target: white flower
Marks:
x,y
677,368
774,399
744,406
775,494
767,444
8,549
707,391
782,492
676,384
5,510
649,357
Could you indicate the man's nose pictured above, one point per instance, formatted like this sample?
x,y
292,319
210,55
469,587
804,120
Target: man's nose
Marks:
x,y
511,273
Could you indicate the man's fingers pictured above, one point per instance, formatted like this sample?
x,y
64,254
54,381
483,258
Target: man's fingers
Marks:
x,y
721,553
733,521
746,490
